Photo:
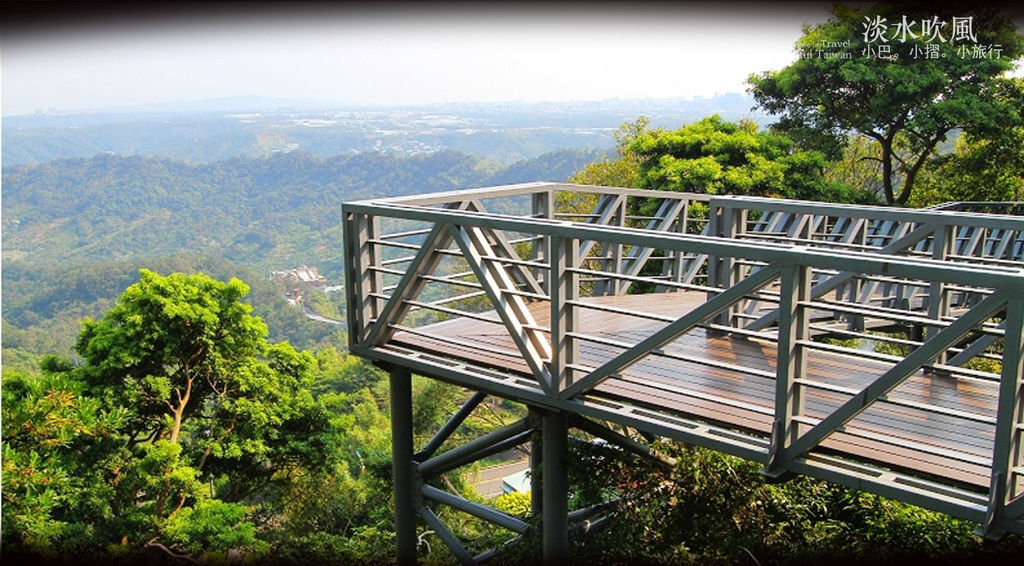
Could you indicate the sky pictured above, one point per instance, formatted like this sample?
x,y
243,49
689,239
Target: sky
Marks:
x,y
397,55
102,55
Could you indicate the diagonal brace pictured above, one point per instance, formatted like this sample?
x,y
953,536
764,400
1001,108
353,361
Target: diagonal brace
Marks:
x,y
412,282
410,286
723,301
486,513
512,310
898,373
639,255
608,206
624,442
449,427
976,347
459,456
446,535
838,279
520,273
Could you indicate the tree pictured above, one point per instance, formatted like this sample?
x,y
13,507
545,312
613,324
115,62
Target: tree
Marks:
x,y
52,436
622,171
982,167
905,77
169,344
179,414
718,157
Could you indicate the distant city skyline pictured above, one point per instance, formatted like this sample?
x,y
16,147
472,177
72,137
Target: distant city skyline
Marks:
x,y
408,56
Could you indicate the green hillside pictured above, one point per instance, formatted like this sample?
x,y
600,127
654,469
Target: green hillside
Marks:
x,y
76,231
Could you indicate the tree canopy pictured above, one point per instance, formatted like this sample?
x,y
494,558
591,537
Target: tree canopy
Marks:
x,y
987,167
719,157
177,390
904,76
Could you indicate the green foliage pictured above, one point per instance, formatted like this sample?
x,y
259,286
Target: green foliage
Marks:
x,y
266,213
43,307
623,171
342,372
907,104
366,545
556,166
178,417
717,157
983,167
213,525
856,166
715,509
516,504
172,342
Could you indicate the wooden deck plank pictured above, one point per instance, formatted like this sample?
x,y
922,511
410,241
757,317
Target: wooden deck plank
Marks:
x,y
741,400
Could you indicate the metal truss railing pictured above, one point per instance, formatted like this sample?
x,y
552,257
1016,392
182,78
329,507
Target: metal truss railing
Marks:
x,y
985,239
531,264
1015,208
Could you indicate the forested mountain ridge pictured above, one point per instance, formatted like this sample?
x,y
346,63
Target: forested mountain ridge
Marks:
x,y
265,213
43,306
77,231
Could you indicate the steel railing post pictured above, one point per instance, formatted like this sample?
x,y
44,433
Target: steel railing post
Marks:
x,y
1007,446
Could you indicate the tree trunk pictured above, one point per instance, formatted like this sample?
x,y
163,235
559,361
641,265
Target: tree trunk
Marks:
x,y
887,169
908,183
179,411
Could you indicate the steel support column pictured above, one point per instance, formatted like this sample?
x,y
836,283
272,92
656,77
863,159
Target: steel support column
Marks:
x,y
536,469
555,512
402,463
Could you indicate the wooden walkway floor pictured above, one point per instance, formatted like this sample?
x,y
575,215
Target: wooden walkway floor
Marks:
x,y
937,426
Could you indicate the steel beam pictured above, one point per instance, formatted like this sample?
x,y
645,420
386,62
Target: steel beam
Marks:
x,y
565,288
822,288
606,209
486,513
466,453
555,514
867,263
450,426
403,465
637,257
410,286
905,278
536,349
446,535
536,464
542,205
626,443
1007,448
791,365
499,242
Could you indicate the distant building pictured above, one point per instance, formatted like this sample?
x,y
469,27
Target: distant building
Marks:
x,y
517,482
300,276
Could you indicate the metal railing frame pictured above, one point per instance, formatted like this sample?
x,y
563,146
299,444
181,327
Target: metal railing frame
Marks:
x,y
742,265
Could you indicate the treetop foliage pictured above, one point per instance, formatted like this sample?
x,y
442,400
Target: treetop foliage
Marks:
x,y
719,157
177,390
903,75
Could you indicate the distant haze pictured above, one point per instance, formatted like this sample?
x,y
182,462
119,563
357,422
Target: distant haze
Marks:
x,y
396,56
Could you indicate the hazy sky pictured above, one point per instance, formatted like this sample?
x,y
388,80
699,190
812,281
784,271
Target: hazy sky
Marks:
x,y
402,55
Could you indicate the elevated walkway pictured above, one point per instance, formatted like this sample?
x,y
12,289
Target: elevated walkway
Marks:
x,y
745,325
